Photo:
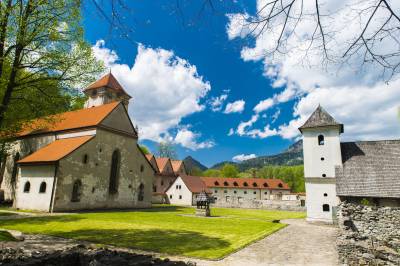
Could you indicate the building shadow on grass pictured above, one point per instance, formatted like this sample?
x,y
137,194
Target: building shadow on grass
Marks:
x,y
39,220
175,242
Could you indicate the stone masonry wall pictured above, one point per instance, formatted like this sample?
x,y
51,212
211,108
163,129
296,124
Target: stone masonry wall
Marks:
x,y
289,205
368,235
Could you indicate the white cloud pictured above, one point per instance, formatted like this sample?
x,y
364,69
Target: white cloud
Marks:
x,y
264,105
242,128
276,115
231,132
164,87
217,102
243,157
188,139
354,92
235,107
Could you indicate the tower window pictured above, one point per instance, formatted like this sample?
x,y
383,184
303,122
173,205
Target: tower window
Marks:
x,y
325,207
42,188
76,191
114,173
323,175
321,140
27,187
325,194
85,158
322,159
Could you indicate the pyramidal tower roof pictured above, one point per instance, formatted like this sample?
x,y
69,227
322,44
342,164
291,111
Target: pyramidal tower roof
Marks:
x,y
108,81
321,118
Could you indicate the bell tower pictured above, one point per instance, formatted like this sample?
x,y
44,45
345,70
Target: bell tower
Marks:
x,y
322,154
105,90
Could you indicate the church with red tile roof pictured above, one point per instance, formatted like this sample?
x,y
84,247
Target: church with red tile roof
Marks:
x,y
84,159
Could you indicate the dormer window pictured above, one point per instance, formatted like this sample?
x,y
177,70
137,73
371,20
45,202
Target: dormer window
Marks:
x,y
254,184
226,183
216,183
321,140
280,185
245,184
265,185
235,184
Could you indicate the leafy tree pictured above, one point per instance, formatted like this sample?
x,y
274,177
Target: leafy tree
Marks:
x,y
195,171
43,59
167,149
144,149
293,175
212,173
229,170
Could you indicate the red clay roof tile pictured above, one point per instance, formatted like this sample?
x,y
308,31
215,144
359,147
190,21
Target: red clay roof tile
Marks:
x,y
56,150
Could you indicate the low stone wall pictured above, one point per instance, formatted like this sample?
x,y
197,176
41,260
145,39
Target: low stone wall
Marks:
x,y
80,256
368,235
289,205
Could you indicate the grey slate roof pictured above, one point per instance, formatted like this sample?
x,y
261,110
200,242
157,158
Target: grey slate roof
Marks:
x,y
370,169
320,118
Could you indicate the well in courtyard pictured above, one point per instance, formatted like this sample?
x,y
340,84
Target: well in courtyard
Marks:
x,y
170,230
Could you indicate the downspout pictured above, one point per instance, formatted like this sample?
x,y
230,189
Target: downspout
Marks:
x,y
53,192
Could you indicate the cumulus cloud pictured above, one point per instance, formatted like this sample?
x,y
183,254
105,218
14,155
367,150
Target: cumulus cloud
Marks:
x,y
164,87
188,139
264,105
243,157
235,107
354,93
217,102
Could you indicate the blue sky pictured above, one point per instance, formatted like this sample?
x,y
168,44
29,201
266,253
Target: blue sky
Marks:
x,y
214,65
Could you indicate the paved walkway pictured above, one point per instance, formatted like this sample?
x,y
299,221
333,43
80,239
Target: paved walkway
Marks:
x,y
299,243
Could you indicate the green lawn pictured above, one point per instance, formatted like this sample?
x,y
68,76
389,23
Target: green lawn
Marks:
x,y
6,236
169,229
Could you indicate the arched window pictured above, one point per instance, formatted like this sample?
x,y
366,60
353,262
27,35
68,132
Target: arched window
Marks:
x,y
235,184
76,191
265,185
141,192
325,207
245,184
115,159
141,168
321,140
254,184
216,183
85,159
15,169
226,183
42,188
27,187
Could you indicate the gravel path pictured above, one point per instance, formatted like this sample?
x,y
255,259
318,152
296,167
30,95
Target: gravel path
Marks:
x,y
299,243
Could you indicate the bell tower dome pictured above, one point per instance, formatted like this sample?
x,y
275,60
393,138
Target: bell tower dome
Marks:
x,y
105,90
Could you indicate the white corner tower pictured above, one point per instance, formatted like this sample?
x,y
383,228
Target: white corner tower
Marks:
x,y
105,90
322,153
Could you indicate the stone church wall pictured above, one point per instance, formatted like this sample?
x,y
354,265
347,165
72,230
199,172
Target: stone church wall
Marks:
x,y
368,235
95,175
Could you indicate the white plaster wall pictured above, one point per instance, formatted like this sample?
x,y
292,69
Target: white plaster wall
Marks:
x,y
315,199
330,151
35,174
252,193
174,192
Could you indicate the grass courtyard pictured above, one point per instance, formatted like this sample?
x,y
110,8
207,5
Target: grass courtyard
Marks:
x,y
165,229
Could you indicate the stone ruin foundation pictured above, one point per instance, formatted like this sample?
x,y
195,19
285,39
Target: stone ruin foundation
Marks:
x,y
368,235
80,256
